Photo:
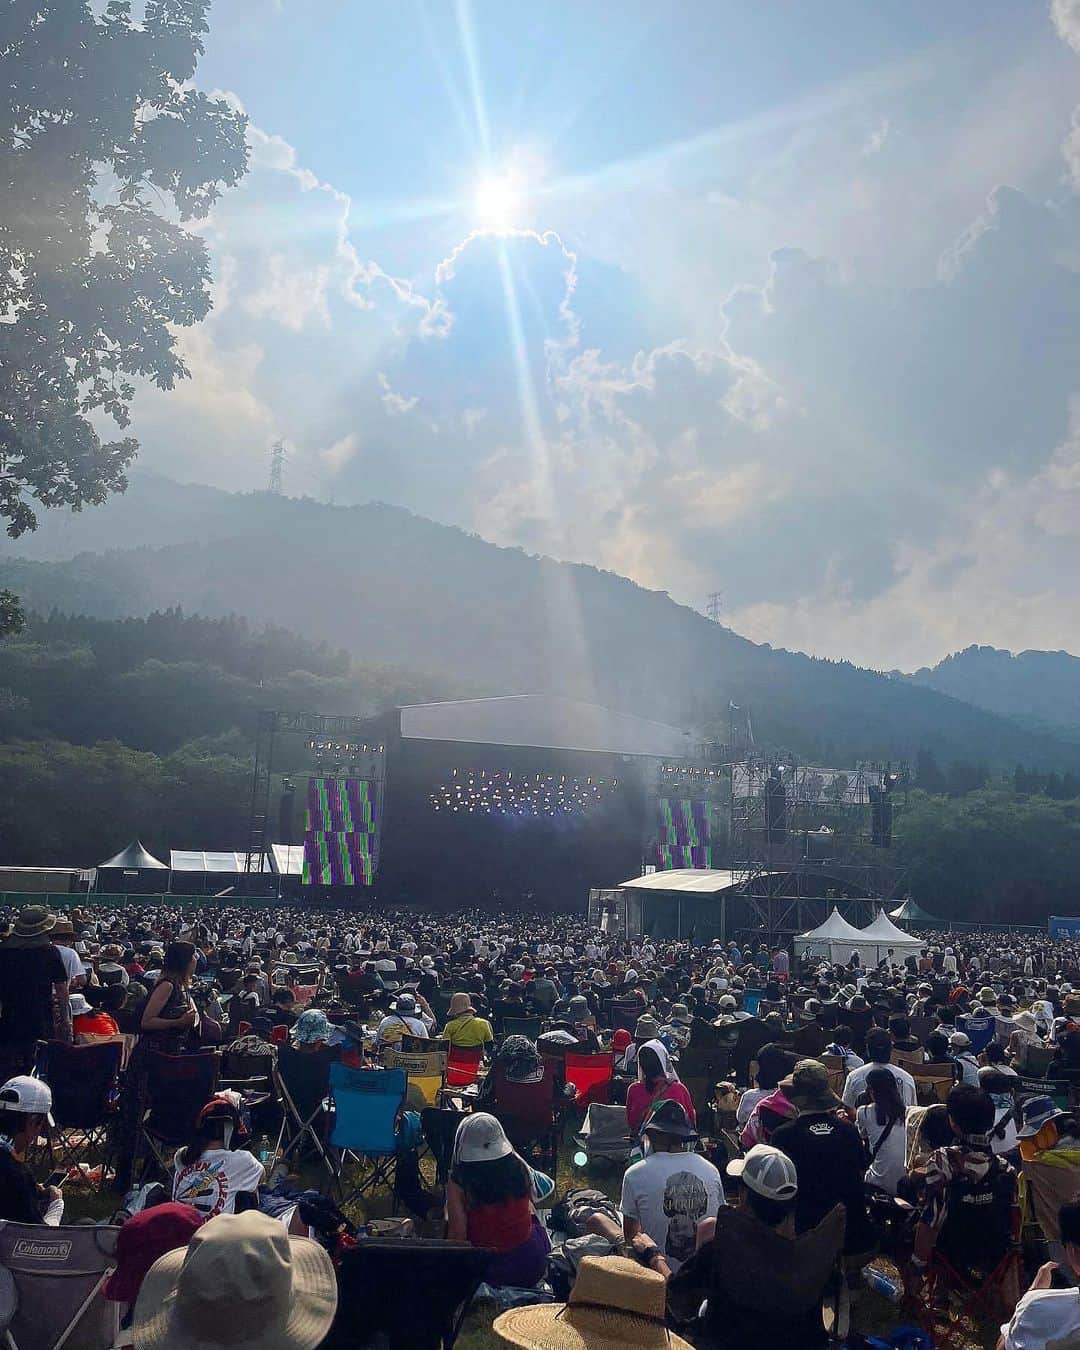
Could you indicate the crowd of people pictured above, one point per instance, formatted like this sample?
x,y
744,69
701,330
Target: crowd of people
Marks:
x,y
787,1122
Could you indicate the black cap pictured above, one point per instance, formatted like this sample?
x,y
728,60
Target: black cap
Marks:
x,y
670,1118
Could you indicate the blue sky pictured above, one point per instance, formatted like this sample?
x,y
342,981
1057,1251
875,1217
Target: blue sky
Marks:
x,y
776,299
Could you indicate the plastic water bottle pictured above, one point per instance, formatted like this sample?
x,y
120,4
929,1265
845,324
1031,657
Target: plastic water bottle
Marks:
x,y
880,1283
265,1150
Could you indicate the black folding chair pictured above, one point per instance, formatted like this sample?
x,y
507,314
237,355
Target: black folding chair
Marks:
x,y
177,1087
83,1080
377,1293
302,1083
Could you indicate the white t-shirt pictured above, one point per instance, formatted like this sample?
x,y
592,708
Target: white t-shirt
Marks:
x,y
888,1165
212,1183
748,1101
669,1194
855,1083
1045,1319
72,962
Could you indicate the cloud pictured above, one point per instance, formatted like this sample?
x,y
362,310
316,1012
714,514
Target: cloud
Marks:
x,y
875,140
1066,17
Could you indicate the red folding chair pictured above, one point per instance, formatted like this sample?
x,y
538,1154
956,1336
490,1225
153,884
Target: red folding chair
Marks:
x,y
463,1065
590,1076
527,1112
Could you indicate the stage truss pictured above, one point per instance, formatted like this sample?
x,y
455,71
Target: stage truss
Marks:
x,y
334,741
804,837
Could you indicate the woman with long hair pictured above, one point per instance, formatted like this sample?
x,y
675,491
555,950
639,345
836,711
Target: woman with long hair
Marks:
x,y
213,1168
167,1025
657,1081
881,1124
490,1202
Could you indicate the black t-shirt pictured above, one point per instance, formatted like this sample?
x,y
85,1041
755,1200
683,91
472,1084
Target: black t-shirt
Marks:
x,y
27,975
19,1197
830,1163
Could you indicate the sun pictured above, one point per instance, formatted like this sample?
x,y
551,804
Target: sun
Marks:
x,y
496,200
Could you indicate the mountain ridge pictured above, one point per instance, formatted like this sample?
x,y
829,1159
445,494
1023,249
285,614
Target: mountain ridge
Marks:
x,y
396,588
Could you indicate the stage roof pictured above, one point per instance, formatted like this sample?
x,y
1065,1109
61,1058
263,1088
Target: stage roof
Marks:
x,y
195,860
546,722
688,880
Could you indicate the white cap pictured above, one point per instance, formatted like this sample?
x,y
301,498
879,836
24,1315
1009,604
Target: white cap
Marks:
x,y
26,1095
959,1040
767,1171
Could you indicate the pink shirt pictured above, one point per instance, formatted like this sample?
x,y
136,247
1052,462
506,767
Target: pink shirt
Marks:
x,y
639,1099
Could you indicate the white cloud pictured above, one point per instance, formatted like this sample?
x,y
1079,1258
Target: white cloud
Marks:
x,y
1066,16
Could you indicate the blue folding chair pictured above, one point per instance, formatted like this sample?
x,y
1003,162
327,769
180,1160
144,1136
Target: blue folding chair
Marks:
x,y
366,1105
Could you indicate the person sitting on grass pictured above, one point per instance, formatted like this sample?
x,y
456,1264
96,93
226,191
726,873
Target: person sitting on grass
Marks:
x,y
490,1202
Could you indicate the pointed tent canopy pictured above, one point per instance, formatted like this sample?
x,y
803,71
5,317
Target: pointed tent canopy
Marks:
x,y
134,858
884,930
835,927
837,939
912,912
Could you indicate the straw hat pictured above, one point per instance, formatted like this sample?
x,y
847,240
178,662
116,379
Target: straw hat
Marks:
x,y
241,1281
614,1303
32,926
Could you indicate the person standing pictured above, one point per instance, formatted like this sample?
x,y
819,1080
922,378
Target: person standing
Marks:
x,y
33,983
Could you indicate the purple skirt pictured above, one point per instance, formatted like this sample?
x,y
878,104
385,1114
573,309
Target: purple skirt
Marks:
x,y
523,1265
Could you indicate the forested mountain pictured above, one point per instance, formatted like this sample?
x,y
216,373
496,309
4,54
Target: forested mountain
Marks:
x,y
392,588
146,726
1036,689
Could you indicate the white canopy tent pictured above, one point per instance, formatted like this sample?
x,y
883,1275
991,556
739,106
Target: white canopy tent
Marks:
x,y
886,934
835,940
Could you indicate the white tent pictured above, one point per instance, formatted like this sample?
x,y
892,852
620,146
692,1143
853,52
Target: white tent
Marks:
x,y
835,940
886,935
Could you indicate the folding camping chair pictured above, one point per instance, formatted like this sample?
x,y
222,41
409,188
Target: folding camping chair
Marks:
x,y
302,1082
83,1079
752,1035
590,1076
463,1066
605,1134
528,1112
177,1088
377,1293
522,1026
933,1082
58,1274
366,1103
426,1072
976,1258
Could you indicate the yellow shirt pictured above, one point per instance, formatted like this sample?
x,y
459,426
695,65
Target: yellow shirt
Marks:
x,y
468,1031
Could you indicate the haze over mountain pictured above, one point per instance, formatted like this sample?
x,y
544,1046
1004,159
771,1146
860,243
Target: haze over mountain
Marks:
x,y
394,588
1035,689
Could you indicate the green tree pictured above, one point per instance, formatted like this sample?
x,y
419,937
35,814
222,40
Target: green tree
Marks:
x,y
98,118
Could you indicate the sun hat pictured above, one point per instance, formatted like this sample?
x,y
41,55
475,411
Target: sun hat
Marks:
x,y
986,996
670,1118
807,1087
1025,1021
241,1281
311,1026
767,1172
32,925
959,1040
679,1013
614,1302
142,1240
459,1003
27,1096
404,1003
481,1138
646,1027
1036,1112
78,1004
63,927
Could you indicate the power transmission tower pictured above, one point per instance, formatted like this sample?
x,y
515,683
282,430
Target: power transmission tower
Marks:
x,y
277,466
715,608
